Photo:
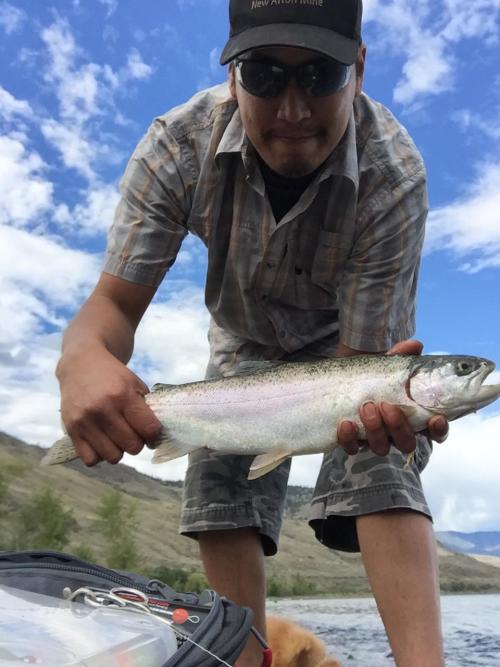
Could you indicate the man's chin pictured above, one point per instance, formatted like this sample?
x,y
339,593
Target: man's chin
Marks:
x,y
295,168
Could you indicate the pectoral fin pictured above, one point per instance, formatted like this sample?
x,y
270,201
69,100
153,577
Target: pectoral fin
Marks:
x,y
167,448
408,410
264,463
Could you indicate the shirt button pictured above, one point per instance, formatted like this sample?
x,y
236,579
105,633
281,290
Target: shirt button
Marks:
x,y
270,265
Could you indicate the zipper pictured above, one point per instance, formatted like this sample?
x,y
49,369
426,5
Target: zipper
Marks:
x,y
105,574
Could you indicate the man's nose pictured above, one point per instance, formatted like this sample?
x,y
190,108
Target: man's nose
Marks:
x,y
293,104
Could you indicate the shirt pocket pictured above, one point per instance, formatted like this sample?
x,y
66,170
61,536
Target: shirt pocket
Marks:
x,y
329,260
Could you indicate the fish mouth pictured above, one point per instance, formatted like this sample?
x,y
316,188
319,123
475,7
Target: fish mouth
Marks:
x,y
485,393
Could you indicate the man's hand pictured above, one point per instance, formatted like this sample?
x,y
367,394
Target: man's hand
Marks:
x,y
103,407
385,424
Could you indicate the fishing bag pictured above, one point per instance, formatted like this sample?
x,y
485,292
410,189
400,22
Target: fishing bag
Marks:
x,y
216,635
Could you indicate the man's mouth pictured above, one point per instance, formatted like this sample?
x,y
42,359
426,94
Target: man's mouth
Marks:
x,y
293,138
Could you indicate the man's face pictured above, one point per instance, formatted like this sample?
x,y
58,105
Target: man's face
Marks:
x,y
294,133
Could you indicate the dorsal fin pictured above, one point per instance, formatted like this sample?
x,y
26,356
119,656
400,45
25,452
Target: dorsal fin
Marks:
x,y
249,367
160,386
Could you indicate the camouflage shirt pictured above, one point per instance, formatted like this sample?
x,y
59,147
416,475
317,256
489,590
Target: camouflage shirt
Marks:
x,y
342,264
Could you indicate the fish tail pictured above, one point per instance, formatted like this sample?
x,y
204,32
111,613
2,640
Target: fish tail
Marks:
x,y
62,451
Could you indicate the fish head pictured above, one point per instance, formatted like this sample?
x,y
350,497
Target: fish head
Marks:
x,y
451,385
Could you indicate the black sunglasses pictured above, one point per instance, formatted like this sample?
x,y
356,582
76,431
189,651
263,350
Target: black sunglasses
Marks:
x,y
265,78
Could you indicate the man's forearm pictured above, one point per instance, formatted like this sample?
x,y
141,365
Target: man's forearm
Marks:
x,y
99,324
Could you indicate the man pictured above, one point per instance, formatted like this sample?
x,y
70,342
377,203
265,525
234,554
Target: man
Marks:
x,y
311,200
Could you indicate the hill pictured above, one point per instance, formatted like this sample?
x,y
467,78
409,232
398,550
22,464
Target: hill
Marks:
x,y
486,543
157,506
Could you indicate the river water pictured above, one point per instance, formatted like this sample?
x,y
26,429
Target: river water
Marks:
x,y
354,634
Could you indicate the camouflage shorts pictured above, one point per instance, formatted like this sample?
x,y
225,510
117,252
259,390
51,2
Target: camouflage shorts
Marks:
x,y
218,495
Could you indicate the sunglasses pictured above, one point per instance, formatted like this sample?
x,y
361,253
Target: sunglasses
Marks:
x,y
267,79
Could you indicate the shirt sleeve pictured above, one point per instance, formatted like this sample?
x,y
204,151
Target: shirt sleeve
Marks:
x,y
378,290
150,221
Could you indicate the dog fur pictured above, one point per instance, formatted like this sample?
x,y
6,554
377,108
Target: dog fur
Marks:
x,y
294,646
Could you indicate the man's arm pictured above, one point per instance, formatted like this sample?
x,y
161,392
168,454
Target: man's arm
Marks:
x,y
385,423
102,404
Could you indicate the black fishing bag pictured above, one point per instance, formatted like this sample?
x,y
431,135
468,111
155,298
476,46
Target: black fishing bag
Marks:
x,y
221,627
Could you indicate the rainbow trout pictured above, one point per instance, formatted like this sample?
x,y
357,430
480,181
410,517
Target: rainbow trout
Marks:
x,y
274,410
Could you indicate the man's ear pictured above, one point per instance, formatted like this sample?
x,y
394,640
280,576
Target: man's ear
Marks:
x,y
231,77
360,69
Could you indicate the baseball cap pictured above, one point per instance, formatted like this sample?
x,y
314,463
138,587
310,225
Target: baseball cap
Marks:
x,y
331,27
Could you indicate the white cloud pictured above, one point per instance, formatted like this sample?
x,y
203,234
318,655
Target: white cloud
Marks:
x,y
427,35
111,6
85,91
478,19
76,150
171,343
470,226
468,120
42,282
43,270
11,107
110,34
214,56
25,194
11,18
461,479
85,94
93,215
136,67
76,88
426,71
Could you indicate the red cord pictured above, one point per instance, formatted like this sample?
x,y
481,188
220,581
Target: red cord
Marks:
x,y
268,658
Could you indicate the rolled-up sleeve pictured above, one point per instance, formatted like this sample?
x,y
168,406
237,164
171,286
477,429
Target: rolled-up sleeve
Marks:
x,y
150,221
378,290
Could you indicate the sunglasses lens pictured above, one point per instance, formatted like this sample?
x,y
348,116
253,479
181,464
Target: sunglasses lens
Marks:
x,y
324,77
261,78
319,78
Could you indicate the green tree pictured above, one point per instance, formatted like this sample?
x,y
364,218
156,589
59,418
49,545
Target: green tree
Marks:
x,y
84,552
302,586
9,470
175,577
276,587
43,522
196,582
116,521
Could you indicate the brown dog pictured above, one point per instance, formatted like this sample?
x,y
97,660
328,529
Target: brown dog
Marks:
x,y
294,646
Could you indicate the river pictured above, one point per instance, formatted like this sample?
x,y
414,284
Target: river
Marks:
x,y
354,634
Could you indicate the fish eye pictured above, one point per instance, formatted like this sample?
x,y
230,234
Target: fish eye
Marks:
x,y
464,368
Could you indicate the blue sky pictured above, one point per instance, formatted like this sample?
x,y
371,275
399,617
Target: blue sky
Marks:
x,y
80,81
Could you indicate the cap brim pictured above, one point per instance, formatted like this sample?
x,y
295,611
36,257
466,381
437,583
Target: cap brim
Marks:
x,y
303,36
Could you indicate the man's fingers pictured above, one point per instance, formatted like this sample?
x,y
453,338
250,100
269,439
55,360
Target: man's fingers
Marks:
x,y
376,434
102,446
142,420
398,427
122,435
86,452
347,436
407,347
438,428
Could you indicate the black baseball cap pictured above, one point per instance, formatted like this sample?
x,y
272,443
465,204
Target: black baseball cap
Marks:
x,y
331,27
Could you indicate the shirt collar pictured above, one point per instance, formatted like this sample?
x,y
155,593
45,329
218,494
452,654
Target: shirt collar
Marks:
x,y
234,139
